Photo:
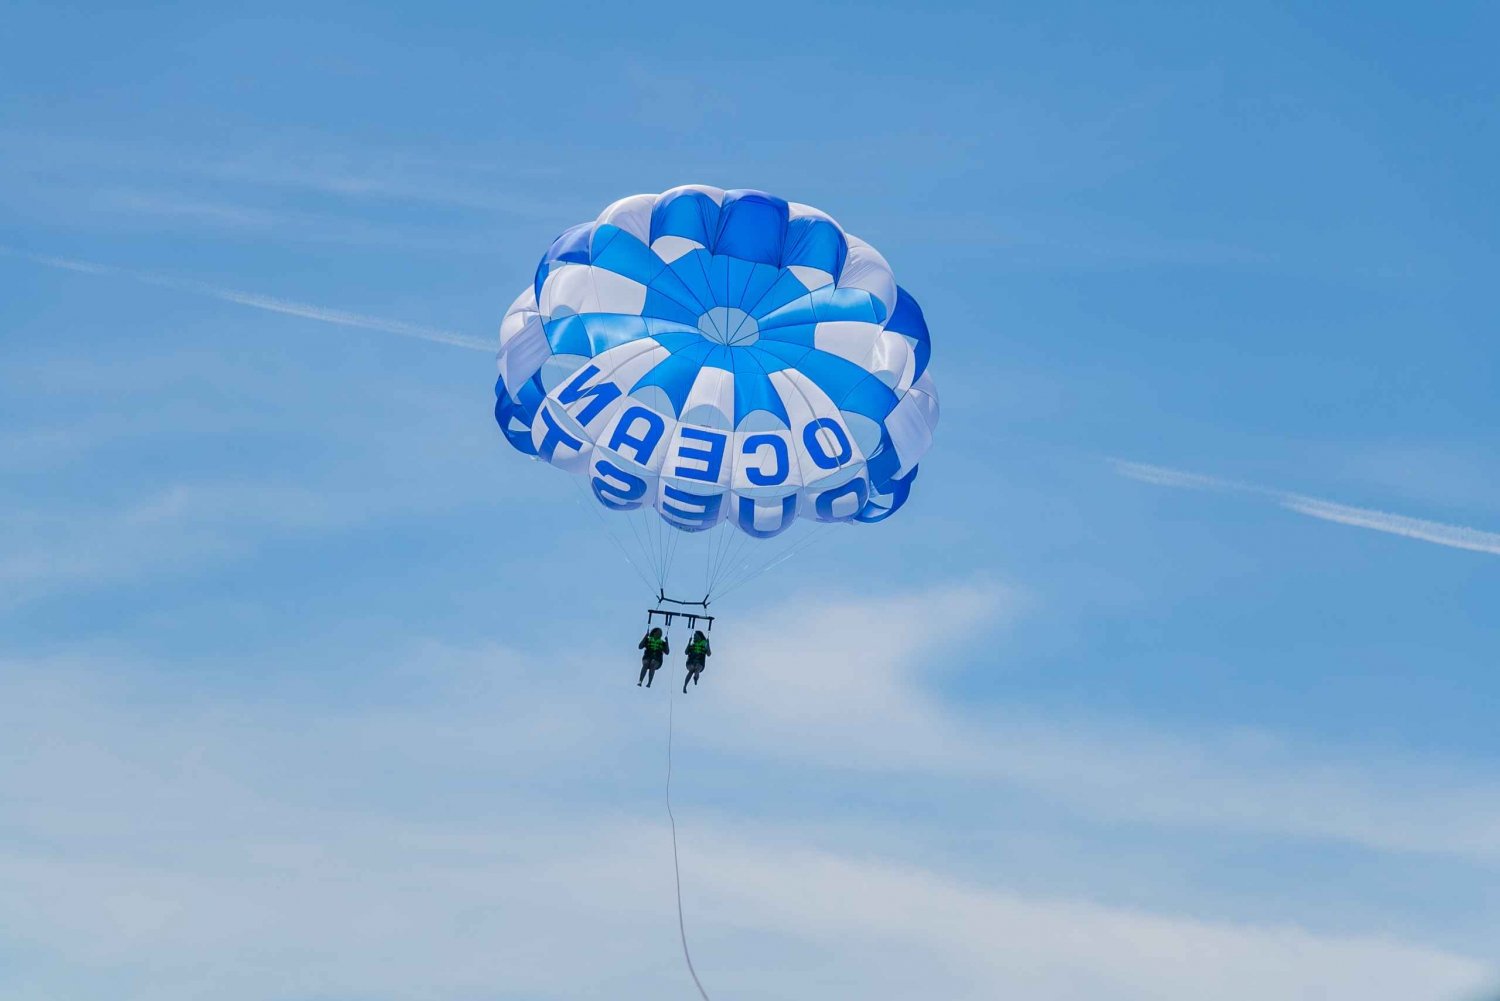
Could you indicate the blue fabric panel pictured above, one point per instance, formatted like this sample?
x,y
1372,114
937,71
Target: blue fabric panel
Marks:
x,y
720,357
610,330
674,337
676,374
767,361
830,303
691,269
799,310
884,464
832,374
763,278
690,214
662,306
717,268
508,410
907,320
786,289
568,336
667,283
752,227
572,248
753,389
815,243
881,506
625,255
738,275
870,398
795,333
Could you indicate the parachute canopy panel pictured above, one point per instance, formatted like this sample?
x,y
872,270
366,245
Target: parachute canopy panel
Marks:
x,y
720,356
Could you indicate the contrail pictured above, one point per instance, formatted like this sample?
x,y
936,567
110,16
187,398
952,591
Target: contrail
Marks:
x,y
288,307
1453,536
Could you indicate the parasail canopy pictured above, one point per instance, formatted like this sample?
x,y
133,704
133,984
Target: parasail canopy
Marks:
x,y
720,357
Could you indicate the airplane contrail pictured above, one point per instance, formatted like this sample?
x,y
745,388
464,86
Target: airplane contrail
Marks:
x,y
1440,533
255,300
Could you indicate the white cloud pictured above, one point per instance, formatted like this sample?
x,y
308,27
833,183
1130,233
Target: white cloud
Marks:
x,y
173,530
847,683
460,842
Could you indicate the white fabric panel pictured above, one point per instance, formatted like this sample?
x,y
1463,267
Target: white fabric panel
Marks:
x,y
565,285
515,315
559,369
632,214
614,293
852,340
669,248
892,360
710,403
622,366
911,423
767,514
865,268
762,459
717,194
865,432
625,364
805,402
675,461
796,210
607,431
564,457
523,352
581,288
813,278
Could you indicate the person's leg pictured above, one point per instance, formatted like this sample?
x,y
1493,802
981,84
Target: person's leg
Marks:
x,y
651,672
643,675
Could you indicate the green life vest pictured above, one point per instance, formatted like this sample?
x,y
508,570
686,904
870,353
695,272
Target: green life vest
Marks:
x,y
698,647
655,644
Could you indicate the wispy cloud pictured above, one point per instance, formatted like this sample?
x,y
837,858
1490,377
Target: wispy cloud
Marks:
x,y
460,840
256,300
1441,533
843,682
472,178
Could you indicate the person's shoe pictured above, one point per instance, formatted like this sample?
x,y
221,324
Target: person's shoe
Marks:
x,y
637,684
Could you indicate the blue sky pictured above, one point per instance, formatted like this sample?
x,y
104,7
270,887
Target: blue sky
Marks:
x,y
1174,680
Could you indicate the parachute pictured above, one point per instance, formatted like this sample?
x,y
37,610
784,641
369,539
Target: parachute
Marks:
x,y
712,359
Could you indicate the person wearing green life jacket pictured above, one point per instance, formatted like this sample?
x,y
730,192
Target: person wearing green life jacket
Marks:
x,y
655,646
697,652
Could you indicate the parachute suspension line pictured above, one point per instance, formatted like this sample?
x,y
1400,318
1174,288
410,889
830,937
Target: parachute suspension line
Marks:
x,y
739,554
708,563
587,502
676,868
721,550
731,540
674,542
744,563
802,545
651,529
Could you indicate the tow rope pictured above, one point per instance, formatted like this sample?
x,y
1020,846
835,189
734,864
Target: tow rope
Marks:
x,y
676,870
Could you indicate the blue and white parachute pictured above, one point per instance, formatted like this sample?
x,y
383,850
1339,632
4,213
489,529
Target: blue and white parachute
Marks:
x,y
720,356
